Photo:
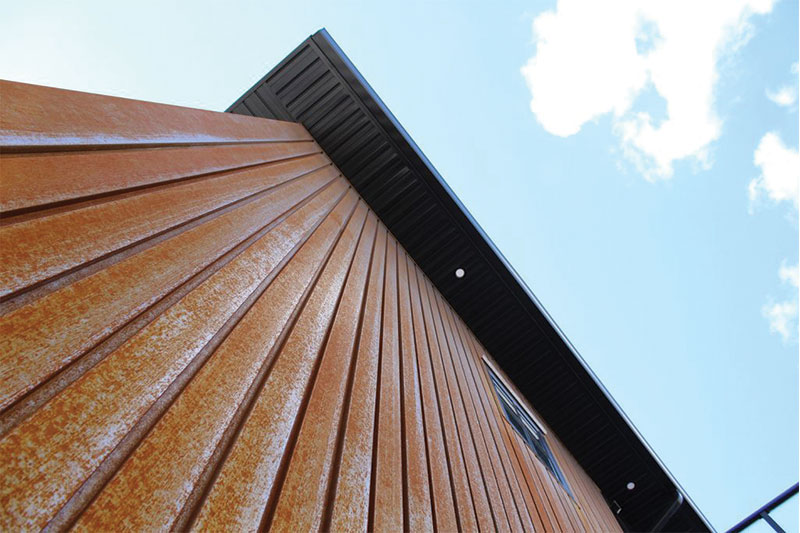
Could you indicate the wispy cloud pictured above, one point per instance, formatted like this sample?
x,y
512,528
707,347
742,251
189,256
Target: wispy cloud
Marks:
x,y
778,182
785,96
780,171
782,316
790,274
595,58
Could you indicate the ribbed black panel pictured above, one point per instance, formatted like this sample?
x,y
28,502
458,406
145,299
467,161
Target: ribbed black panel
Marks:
x,y
319,87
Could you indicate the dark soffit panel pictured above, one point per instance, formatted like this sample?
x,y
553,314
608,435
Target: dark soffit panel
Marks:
x,y
318,86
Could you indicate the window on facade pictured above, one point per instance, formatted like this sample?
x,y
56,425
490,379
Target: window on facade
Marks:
x,y
533,435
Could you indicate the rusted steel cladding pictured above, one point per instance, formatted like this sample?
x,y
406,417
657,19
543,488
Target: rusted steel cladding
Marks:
x,y
204,327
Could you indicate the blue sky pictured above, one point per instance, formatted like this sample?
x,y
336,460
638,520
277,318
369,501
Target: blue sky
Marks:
x,y
640,173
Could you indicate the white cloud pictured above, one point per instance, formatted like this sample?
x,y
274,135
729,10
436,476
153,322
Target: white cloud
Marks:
x,y
780,171
779,181
782,316
586,65
790,274
784,96
595,58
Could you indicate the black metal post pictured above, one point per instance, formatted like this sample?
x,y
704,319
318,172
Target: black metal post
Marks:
x,y
763,511
768,519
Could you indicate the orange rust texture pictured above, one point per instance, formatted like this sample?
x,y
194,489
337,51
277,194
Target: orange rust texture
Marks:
x,y
32,118
418,503
203,326
57,177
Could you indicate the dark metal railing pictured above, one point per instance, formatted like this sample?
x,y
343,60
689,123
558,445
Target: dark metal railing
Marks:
x,y
763,512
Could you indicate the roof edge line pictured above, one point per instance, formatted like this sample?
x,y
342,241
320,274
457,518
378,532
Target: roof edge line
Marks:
x,y
323,34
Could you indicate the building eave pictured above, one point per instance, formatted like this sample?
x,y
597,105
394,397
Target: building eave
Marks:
x,y
318,86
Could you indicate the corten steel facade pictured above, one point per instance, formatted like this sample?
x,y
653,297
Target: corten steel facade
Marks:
x,y
218,322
